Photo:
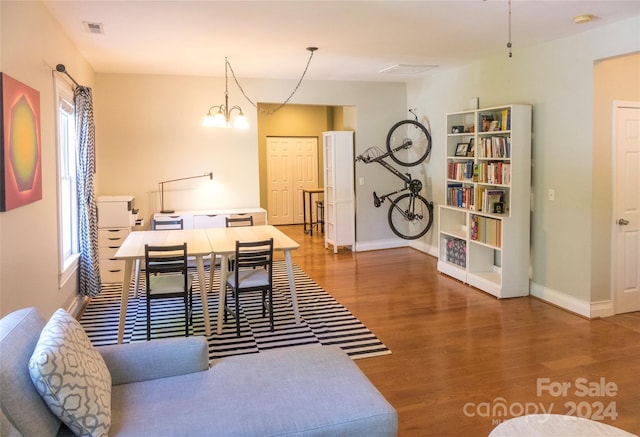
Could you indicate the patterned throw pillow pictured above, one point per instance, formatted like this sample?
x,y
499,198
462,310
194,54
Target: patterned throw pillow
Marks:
x,y
72,377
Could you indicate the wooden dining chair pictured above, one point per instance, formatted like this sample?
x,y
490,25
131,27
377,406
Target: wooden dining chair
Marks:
x,y
252,272
232,222
167,277
239,221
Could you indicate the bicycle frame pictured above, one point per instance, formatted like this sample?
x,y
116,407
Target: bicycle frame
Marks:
x,y
410,215
409,184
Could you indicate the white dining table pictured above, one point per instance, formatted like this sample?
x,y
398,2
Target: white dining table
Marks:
x,y
132,251
223,243
201,243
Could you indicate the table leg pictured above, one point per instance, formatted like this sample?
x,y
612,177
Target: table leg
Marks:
x,y
311,213
224,261
125,297
203,293
136,279
292,285
304,212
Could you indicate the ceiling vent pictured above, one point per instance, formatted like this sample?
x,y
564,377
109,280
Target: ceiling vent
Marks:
x,y
407,69
93,27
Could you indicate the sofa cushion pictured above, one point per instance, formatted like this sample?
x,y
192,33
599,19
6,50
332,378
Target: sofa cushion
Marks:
x,y
21,404
71,376
301,391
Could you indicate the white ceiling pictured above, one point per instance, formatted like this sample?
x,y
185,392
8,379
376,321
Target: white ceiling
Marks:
x,y
356,39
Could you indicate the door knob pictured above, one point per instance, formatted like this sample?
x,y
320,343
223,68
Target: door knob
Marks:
x,y
622,222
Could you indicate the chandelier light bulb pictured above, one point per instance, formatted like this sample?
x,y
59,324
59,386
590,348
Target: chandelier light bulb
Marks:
x,y
241,122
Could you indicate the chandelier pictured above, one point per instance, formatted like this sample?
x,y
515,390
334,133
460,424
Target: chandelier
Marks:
x,y
220,115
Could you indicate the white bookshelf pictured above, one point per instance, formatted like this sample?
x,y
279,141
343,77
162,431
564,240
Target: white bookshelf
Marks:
x,y
339,190
484,225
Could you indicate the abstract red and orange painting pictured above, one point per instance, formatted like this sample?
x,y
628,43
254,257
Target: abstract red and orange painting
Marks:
x,y
21,157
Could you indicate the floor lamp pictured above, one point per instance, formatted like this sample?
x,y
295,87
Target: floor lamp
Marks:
x,y
169,211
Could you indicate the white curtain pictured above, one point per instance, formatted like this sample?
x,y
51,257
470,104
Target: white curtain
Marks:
x,y
87,210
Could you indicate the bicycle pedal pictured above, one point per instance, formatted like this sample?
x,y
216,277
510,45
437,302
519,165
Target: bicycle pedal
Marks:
x,y
376,200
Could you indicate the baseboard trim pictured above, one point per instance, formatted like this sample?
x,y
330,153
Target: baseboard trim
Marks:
x,y
380,244
604,308
426,248
77,306
562,300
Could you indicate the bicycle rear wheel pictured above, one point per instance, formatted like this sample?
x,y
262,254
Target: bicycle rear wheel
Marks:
x,y
408,142
410,216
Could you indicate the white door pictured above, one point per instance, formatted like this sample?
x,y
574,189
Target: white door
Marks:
x,y
292,165
626,206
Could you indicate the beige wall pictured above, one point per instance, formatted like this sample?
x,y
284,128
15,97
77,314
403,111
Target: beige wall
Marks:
x,y
557,78
613,79
290,121
150,131
31,45
302,121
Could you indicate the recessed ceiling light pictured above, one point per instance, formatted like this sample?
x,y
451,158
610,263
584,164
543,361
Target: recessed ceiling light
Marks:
x,y
584,18
407,69
93,27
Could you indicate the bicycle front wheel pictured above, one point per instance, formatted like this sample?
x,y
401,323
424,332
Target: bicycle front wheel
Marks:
x,y
410,216
408,142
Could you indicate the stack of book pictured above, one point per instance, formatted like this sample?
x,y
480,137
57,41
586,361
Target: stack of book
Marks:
x,y
486,230
495,147
494,172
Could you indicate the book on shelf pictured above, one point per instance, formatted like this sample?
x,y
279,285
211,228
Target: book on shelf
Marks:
x,y
461,196
505,120
486,230
460,170
489,198
495,147
494,172
493,231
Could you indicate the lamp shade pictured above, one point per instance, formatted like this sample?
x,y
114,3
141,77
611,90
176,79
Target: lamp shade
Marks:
x,y
241,122
219,120
208,121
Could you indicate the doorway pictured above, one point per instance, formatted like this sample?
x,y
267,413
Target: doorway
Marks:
x,y
626,206
295,121
292,165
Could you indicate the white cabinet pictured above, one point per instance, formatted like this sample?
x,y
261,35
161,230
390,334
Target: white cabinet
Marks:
x,y
116,216
339,190
484,227
109,241
213,218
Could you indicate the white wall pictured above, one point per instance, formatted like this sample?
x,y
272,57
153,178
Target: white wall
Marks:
x,y
32,43
148,130
557,79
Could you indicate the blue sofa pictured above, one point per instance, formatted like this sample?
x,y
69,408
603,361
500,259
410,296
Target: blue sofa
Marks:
x,y
166,388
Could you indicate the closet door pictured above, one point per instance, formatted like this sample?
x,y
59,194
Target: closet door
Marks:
x,y
292,165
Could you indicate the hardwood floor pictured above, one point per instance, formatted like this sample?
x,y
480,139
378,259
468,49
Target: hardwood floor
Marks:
x,y
459,354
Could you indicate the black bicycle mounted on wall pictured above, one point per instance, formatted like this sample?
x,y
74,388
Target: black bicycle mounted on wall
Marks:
x,y
408,144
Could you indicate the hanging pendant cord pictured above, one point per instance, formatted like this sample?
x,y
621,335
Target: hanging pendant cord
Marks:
x,y
280,106
509,41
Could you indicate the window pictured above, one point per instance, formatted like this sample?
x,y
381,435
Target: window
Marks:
x,y
67,189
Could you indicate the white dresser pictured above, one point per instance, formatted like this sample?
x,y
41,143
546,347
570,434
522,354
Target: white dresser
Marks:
x,y
116,216
202,219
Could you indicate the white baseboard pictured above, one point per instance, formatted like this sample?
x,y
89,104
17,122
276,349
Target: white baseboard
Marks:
x,y
604,308
563,300
392,244
591,310
76,306
426,248
381,244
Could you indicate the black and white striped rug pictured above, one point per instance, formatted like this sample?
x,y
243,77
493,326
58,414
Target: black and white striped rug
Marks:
x,y
324,320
